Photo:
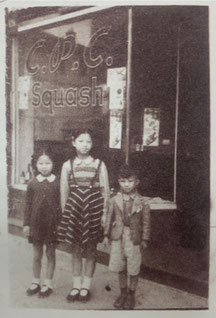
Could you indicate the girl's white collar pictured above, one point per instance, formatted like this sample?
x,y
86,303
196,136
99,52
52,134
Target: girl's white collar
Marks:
x,y
41,178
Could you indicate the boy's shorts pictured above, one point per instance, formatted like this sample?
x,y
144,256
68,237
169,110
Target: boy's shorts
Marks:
x,y
124,255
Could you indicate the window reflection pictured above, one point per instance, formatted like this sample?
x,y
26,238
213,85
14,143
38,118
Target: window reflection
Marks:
x,y
63,71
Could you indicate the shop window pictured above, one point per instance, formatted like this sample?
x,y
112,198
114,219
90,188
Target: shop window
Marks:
x,y
61,84
154,99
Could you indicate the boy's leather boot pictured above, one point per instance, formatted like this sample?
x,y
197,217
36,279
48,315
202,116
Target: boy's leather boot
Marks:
x,y
130,301
120,301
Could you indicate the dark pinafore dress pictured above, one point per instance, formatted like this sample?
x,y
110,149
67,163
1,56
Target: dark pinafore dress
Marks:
x,y
81,218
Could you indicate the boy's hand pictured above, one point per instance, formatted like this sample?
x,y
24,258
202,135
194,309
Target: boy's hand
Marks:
x,y
144,245
26,230
105,241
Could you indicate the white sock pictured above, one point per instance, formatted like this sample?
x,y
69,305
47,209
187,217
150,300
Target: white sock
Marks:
x,y
86,282
77,282
86,285
48,283
36,281
44,288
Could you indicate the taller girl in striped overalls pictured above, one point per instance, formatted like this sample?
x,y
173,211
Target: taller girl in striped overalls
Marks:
x,y
84,198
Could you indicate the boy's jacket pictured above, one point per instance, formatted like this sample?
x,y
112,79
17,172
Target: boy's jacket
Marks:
x,y
139,219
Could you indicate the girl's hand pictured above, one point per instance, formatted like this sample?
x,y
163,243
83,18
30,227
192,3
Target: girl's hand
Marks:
x,y
105,242
26,230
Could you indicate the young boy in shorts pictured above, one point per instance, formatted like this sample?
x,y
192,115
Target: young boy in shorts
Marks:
x,y
128,228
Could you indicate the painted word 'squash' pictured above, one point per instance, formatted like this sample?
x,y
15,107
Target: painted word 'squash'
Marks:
x,y
84,96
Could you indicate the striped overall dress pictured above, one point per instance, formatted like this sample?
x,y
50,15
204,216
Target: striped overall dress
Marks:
x,y
81,218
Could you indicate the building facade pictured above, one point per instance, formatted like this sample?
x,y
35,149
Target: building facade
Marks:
x,y
138,76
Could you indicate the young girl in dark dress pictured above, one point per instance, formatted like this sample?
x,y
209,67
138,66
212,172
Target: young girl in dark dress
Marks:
x,y
41,219
84,198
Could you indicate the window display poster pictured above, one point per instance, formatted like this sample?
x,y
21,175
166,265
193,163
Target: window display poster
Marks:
x,y
23,91
115,136
151,127
116,81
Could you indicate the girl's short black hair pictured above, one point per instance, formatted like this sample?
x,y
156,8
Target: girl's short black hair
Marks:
x,y
40,152
127,171
76,133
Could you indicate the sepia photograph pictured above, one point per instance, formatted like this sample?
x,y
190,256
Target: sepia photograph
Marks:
x,y
108,166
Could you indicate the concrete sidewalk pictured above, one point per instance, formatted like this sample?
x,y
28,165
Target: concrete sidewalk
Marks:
x,y
150,295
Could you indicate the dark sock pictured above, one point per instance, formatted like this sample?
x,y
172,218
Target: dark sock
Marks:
x,y
131,292
133,282
123,291
123,280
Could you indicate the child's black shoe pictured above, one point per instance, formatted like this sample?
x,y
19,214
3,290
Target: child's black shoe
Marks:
x,y
34,289
86,296
130,301
120,301
72,297
45,291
